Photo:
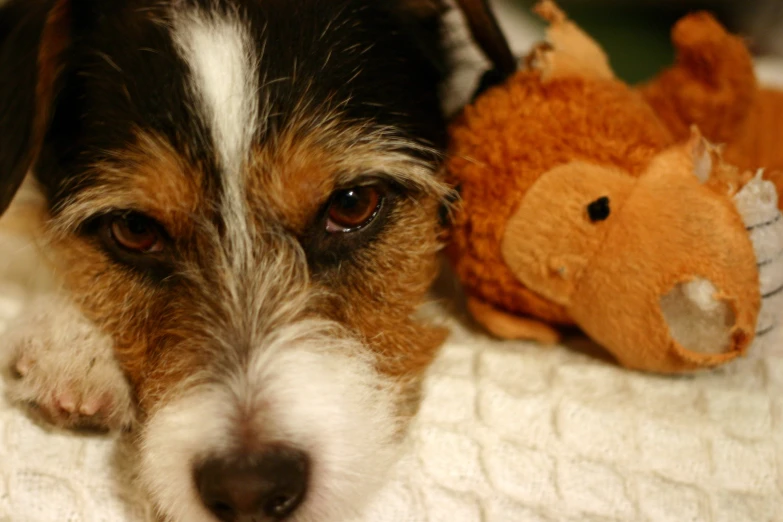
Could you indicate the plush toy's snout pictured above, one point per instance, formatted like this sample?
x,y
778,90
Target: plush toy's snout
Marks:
x,y
662,263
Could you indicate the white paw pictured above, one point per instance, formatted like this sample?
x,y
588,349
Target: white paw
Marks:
x,y
63,368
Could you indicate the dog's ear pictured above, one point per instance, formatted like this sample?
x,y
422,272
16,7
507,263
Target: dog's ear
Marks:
x,y
488,35
424,8
34,38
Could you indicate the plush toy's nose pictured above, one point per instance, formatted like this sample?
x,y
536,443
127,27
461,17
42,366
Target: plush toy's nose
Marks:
x,y
263,487
697,319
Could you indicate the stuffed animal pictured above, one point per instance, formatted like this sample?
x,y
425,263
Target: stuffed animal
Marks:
x,y
584,202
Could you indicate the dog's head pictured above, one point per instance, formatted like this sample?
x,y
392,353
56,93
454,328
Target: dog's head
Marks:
x,y
244,195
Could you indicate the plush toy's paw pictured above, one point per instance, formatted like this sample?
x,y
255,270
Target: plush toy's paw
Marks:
x,y
64,370
507,326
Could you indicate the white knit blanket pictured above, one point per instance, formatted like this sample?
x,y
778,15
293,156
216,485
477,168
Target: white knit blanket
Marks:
x,y
508,432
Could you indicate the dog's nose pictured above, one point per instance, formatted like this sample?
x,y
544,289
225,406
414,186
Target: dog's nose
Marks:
x,y
262,487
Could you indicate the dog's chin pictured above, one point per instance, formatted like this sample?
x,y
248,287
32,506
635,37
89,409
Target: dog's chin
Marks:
x,y
309,388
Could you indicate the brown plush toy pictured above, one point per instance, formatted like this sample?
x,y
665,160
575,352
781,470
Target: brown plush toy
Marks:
x,y
588,203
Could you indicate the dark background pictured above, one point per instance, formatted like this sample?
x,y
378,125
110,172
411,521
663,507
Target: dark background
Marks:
x,y
635,33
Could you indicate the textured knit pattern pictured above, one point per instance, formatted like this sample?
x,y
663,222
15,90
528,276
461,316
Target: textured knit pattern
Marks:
x,y
508,432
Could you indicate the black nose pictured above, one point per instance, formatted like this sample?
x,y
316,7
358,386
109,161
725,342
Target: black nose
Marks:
x,y
261,487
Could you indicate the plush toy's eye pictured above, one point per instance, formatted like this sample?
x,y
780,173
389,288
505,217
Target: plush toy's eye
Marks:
x,y
599,210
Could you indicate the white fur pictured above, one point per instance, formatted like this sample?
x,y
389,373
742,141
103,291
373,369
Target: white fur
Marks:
x,y
309,387
220,53
224,69
62,359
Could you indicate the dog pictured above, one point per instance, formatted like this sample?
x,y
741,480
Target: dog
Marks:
x,y
236,205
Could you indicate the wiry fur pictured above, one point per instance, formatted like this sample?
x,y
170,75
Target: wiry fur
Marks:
x,y
224,78
255,326
86,389
53,357
307,370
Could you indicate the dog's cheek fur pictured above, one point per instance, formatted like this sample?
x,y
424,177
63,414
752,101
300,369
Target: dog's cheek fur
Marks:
x,y
147,322
379,295
108,295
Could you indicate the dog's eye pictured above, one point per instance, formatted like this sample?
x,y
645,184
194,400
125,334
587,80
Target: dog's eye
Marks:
x,y
354,208
351,219
136,233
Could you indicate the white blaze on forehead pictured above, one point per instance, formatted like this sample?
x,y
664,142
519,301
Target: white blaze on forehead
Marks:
x,y
221,55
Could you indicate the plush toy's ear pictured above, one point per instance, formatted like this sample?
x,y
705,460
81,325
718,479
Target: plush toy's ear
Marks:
x,y
488,35
701,154
34,35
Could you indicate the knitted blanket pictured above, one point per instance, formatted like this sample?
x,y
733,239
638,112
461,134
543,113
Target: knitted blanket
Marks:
x,y
507,432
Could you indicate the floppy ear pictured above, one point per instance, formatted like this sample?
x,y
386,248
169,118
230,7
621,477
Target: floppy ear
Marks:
x,y
34,35
489,36
424,8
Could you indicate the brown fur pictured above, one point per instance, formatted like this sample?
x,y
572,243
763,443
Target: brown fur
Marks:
x,y
291,181
159,340
150,177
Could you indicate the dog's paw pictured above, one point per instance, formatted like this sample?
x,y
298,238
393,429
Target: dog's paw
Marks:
x,y
63,368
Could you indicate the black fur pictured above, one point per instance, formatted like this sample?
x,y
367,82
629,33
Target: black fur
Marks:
x,y
371,58
21,25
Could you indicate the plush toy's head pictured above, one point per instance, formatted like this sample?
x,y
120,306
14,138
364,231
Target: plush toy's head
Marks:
x,y
579,207
661,264
567,107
